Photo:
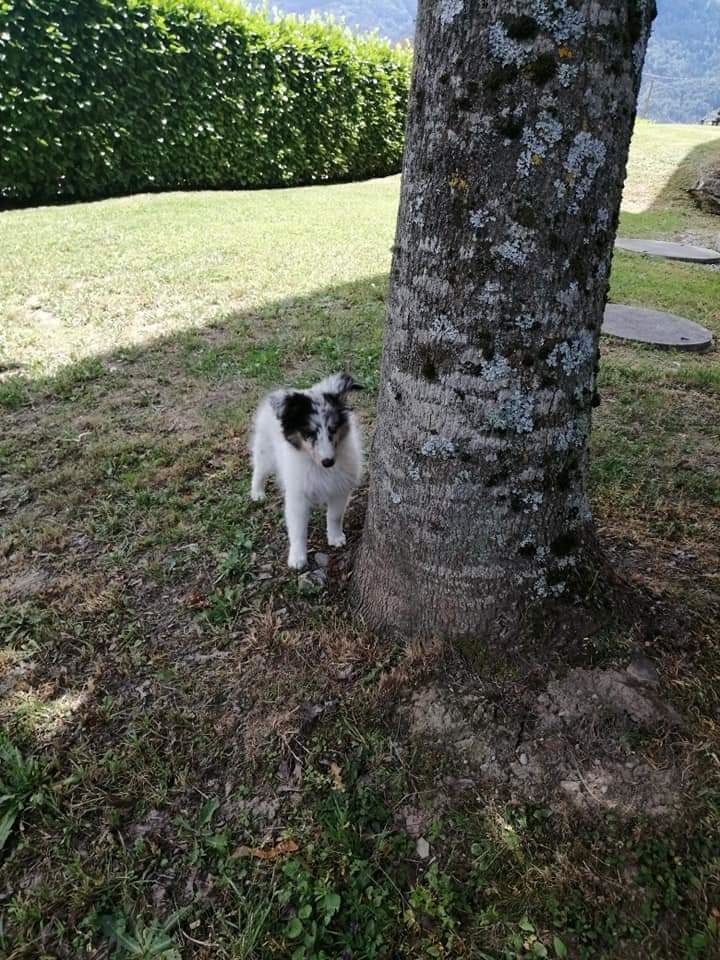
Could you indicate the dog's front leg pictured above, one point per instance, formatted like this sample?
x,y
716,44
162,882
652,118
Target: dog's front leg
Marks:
x,y
335,515
297,514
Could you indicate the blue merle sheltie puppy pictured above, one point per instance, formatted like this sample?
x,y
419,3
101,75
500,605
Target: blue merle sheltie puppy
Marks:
x,y
309,439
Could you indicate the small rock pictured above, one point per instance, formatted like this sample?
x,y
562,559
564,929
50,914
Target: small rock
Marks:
x,y
411,820
322,559
33,303
422,847
153,824
44,316
570,786
524,759
306,583
643,670
459,783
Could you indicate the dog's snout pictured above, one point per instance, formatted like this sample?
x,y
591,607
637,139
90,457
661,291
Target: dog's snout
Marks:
x,y
328,462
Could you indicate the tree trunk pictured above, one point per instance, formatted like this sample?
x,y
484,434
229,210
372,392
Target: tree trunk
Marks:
x,y
520,120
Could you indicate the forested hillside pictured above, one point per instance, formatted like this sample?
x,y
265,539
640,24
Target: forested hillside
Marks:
x,y
682,71
683,67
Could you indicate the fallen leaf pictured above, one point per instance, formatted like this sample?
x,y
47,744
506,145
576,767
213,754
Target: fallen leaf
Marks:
x,y
338,783
281,849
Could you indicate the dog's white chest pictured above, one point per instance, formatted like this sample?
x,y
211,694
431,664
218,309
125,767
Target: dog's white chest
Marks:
x,y
322,485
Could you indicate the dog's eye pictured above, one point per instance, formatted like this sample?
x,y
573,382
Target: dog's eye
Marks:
x,y
308,434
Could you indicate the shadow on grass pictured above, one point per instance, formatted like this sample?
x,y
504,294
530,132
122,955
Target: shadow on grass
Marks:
x,y
144,599
294,337
169,671
667,213
699,160
125,519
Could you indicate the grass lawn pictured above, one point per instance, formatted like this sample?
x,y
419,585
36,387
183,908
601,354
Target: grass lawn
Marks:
x,y
200,755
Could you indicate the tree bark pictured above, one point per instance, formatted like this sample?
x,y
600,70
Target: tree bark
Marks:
x,y
519,127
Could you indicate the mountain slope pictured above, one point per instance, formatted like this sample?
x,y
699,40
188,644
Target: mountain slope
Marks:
x,y
683,66
682,70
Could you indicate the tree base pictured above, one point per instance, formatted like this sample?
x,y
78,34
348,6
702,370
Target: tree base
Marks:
x,y
532,631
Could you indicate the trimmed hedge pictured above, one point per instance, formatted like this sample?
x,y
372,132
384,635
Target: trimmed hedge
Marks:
x,y
102,97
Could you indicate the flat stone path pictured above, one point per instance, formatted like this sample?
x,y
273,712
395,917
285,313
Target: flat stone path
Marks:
x,y
671,251
655,328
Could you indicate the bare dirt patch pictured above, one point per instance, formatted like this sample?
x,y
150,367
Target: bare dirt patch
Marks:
x,y
580,742
25,584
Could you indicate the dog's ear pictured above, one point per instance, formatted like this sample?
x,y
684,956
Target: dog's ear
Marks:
x,y
338,386
293,410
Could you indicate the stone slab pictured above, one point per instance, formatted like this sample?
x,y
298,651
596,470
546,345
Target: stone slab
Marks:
x,y
671,251
665,330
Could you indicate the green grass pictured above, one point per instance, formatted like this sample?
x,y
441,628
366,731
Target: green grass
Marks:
x,y
82,281
174,702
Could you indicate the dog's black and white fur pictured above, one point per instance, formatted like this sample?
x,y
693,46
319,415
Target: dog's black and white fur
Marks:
x,y
310,441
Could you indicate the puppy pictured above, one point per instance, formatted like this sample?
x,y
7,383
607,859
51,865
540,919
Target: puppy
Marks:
x,y
310,441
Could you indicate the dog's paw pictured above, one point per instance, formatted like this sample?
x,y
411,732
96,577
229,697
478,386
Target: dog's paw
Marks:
x,y
296,561
257,496
337,540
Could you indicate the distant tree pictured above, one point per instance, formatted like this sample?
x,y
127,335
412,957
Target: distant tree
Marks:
x,y
392,18
520,121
